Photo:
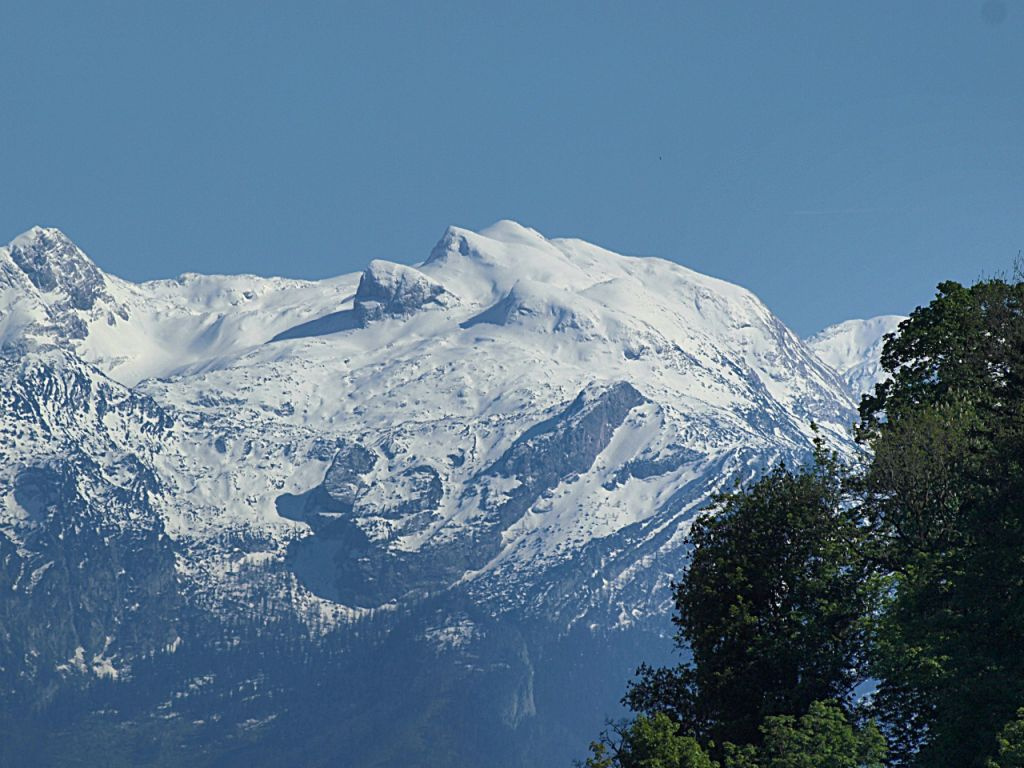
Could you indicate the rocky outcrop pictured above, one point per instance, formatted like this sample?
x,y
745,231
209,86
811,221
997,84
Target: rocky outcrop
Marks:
x,y
52,288
344,479
53,263
554,450
394,290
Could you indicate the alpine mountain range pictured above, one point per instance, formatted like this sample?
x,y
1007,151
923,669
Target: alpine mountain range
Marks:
x,y
422,515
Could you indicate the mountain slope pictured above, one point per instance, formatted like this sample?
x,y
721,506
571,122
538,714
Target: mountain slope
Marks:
x,y
853,349
488,461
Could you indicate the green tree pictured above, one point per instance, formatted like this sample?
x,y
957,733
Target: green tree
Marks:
x,y
821,738
771,607
648,742
945,492
1010,741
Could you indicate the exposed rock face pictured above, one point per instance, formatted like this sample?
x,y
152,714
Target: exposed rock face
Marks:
x,y
643,467
54,263
69,290
566,445
420,491
394,290
344,479
90,589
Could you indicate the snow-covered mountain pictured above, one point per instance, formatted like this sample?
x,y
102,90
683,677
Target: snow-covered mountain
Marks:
x,y
508,440
854,348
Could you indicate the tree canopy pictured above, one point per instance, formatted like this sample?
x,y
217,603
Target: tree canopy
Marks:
x,y
771,607
946,491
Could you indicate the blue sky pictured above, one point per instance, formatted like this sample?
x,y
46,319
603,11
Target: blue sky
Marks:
x,y
837,158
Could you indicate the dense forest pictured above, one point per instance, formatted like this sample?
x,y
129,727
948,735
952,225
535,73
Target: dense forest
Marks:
x,y
867,612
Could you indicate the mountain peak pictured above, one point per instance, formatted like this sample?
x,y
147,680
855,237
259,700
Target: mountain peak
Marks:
x,y
52,262
454,240
487,243
509,231
853,348
37,234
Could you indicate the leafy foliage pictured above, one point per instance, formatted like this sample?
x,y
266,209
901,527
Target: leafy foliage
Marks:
x,y
648,742
771,607
822,738
946,492
1010,752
